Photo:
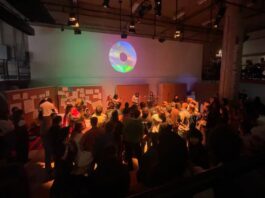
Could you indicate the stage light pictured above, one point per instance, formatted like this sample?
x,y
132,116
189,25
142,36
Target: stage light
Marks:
x,y
72,17
106,3
219,16
76,25
177,34
132,27
77,31
124,35
158,7
161,40
73,20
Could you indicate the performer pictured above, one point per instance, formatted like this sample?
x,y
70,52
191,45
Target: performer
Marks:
x,y
116,101
151,99
135,99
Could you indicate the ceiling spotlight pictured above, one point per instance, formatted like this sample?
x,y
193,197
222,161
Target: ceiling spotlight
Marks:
x,y
177,34
161,40
106,3
72,19
219,16
132,27
158,7
77,31
124,35
76,25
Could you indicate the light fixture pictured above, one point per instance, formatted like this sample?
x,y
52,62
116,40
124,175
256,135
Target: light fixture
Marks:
x,y
77,31
76,25
124,35
132,27
72,19
106,3
132,24
219,54
158,7
161,39
219,16
177,34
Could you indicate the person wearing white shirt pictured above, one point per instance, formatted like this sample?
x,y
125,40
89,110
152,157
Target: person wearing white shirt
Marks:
x,y
47,108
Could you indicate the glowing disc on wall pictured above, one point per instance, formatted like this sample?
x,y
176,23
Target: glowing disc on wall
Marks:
x,y
122,57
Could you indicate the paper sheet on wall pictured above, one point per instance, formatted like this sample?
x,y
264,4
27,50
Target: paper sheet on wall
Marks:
x,y
95,104
60,93
99,96
64,88
41,96
16,97
89,91
75,94
29,106
88,101
95,96
96,90
81,95
82,90
87,98
35,114
63,102
25,96
33,97
47,93
18,105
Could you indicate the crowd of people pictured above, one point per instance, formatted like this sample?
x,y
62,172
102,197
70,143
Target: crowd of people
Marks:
x,y
173,140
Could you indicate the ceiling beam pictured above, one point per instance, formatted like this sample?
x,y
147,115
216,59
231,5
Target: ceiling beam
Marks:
x,y
116,16
15,21
261,11
191,16
34,10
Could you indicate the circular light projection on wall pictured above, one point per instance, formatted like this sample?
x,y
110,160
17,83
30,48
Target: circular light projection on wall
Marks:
x,y
122,57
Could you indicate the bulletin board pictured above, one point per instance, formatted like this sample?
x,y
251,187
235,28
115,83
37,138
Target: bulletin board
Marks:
x,y
91,95
205,90
125,92
167,91
28,100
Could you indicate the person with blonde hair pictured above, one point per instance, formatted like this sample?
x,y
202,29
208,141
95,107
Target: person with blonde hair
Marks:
x,y
100,116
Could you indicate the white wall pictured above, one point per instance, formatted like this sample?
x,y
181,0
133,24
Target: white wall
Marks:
x,y
62,58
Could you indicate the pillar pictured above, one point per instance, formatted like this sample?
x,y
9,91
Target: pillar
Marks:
x,y
232,48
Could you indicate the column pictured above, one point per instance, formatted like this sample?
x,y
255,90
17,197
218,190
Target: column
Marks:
x,y
231,52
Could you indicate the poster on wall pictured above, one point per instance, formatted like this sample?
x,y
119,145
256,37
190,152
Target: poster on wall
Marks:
x,y
90,96
29,106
